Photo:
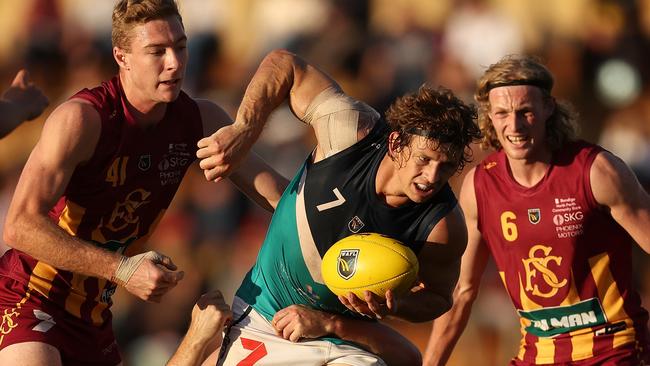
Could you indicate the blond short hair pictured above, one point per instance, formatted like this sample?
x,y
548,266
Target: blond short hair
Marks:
x,y
130,13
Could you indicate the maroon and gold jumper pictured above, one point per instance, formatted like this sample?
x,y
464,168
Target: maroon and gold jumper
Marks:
x,y
116,206
564,261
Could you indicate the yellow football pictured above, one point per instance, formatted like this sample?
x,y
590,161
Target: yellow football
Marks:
x,y
369,261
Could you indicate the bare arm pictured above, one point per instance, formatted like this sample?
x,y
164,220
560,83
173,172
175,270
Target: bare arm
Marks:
x,y
68,139
439,261
22,101
439,267
259,182
296,322
448,328
209,316
616,187
282,76
256,179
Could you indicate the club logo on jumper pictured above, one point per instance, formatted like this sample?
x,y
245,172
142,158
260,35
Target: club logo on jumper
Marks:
x,y
540,279
355,224
47,322
534,215
124,223
172,164
144,163
551,321
567,217
347,263
8,322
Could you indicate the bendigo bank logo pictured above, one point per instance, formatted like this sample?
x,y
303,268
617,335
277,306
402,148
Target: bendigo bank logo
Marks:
x,y
347,263
538,271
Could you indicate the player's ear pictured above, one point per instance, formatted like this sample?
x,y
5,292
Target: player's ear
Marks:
x,y
120,57
393,143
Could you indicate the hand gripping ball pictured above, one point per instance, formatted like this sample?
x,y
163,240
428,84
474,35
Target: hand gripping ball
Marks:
x,y
369,261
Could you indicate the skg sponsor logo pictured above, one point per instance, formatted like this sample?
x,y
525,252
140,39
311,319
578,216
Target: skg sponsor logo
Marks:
x,y
561,219
567,217
172,163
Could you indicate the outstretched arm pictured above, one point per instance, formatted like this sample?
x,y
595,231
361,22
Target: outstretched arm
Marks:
x,y
209,316
448,328
296,322
22,101
283,76
255,178
68,139
616,187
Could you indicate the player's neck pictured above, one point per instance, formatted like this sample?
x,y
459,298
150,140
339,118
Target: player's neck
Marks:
x,y
528,172
387,184
144,111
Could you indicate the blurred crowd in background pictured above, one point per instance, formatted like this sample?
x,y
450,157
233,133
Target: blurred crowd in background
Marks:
x,y
376,49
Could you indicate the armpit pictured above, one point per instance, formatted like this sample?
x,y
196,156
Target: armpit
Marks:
x,y
339,120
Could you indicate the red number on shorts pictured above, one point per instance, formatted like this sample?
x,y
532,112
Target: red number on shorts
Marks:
x,y
258,348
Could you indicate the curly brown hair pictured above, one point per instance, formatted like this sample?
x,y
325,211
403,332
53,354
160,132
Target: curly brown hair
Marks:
x,y
561,126
447,122
129,13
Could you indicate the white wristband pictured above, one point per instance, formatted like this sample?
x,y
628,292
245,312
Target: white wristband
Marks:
x,y
128,266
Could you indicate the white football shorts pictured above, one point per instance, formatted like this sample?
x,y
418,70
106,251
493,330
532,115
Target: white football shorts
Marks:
x,y
252,340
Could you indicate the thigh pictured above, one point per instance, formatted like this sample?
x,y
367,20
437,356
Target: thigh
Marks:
x,y
30,354
24,318
343,354
246,346
29,318
253,341
253,348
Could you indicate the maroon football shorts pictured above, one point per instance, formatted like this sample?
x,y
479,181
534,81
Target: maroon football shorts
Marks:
x,y
27,316
626,355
